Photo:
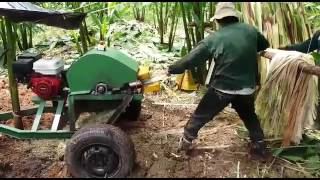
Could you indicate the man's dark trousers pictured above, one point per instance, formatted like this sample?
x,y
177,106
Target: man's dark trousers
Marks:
x,y
215,101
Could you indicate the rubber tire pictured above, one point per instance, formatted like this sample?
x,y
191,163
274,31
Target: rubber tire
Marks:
x,y
104,134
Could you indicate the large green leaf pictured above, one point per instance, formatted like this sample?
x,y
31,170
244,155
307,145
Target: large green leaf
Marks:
x,y
95,20
316,58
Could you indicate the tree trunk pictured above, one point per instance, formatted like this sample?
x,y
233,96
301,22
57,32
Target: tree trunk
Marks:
x,y
30,36
161,28
211,11
24,37
4,40
166,17
196,10
191,29
173,22
134,9
175,29
86,32
83,39
185,27
11,54
76,37
154,17
201,69
16,37
101,16
143,12
3,33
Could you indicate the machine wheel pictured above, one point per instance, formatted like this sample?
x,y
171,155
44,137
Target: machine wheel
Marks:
x,y
100,151
132,111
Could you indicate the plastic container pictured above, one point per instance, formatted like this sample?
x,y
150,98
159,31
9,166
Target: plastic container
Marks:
x,y
152,87
144,73
48,66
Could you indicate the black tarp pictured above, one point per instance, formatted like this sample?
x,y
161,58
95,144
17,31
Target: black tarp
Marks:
x,y
28,12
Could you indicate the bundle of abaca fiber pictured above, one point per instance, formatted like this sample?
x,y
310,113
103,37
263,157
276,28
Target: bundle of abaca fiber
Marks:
x,y
286,103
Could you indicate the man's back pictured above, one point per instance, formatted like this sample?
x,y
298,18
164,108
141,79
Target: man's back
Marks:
x,y
234,49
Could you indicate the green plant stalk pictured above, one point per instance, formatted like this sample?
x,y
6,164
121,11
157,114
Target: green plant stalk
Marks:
x,y
4,40
24,37
174,31
17,40
211,9
191,29
196,14
161,24
30,36
83,39
12,83
102,26
185,27
202,6
154,16
173,22
189,17
86,32
143,12
166,18
135,10
201,69
76,37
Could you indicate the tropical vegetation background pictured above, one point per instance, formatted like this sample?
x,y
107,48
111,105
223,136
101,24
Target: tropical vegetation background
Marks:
x,y
157,34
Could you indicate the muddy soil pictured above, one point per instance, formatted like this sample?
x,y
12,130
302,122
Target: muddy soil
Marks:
x,y
219,151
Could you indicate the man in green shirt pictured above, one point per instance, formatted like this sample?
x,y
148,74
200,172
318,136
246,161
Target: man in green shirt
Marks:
x,y
234,49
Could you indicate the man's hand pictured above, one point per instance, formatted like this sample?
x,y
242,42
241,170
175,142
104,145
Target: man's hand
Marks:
x,y
176,69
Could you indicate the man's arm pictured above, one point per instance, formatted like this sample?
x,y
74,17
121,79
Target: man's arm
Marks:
x,y
262,42
306,46
197,56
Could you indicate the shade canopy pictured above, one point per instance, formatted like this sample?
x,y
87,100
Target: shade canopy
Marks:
x,y
28,12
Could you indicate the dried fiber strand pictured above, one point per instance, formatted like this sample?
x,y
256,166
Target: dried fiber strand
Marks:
x,y
286,103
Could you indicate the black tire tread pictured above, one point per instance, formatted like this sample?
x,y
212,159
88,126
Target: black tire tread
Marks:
x,y
110,133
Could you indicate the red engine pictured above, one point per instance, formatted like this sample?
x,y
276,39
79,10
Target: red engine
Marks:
x,y
45,86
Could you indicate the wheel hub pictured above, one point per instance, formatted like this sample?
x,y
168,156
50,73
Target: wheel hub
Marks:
x,y
101,161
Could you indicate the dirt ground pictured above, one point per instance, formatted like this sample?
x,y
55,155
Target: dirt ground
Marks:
x,y
219,151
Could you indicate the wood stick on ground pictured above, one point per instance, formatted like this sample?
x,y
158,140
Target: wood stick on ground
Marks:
x,y
299,170
212,147
238,170
304,67
180,130
240,153
164,115
173,104
171,131
207,132
307,174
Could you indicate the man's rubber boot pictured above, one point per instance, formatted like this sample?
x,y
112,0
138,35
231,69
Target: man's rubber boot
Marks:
x,y
184,144
258,151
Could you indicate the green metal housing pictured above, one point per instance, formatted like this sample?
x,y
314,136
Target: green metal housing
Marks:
x,y
110,67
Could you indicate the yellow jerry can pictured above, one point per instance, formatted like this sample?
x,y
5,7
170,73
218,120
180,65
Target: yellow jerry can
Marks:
x,y
144,72
185,81
152,87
